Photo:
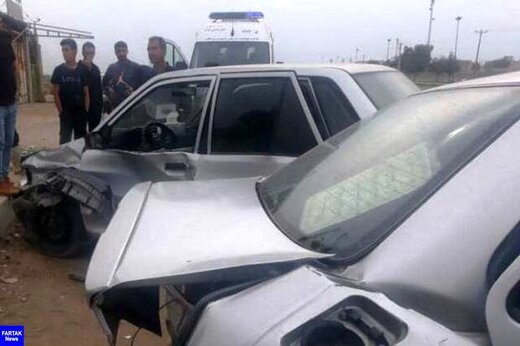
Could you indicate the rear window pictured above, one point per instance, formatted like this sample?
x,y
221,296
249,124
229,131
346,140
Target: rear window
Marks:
x,y
384,88
346,194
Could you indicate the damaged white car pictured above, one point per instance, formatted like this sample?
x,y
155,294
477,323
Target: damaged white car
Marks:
x,y
403,230
199,124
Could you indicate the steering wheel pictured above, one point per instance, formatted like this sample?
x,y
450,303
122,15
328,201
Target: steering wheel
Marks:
x,y
156,135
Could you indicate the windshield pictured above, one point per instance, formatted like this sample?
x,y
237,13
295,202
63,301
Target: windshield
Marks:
x,y
208,54
346,194
385,88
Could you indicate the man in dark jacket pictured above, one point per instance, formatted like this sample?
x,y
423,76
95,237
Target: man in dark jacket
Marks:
x,y
157,55
93,79
121,77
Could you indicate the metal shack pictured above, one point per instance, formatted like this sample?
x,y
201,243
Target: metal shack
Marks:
x,y
28,57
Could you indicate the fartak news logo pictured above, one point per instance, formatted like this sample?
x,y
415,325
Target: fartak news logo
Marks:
x,y
11,335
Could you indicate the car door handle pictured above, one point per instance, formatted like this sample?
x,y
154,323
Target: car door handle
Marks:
x,y
176,166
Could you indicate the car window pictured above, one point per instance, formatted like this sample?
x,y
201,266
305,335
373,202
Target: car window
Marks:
x,y
178,106
312,103
260,116
385,88
336,109
174,57
170,54
178,61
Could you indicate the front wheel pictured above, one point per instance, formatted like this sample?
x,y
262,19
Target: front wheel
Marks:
x,y
57,230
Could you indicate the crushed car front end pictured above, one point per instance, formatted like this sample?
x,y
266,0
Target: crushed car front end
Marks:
x,y
59,201
222,273
163,256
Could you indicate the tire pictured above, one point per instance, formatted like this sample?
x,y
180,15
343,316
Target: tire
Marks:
x,y
58,230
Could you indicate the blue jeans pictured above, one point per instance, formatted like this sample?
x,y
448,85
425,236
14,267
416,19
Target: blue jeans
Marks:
x,y
7,126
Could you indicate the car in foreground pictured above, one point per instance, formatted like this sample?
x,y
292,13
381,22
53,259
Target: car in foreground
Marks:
x,y
197,124
402,230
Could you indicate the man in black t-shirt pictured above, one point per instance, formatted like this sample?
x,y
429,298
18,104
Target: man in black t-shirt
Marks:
x,y
95,90
71,96
8,109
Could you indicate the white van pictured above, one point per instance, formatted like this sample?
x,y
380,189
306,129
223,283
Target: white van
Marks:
x,y
233,38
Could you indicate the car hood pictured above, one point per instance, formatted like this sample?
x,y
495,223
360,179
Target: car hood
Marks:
x,y
66,155
172,230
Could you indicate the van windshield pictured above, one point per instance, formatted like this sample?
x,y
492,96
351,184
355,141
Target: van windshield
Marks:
x,y
208,54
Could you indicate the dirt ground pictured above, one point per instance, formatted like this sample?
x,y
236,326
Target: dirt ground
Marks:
x,y
38,125
35,290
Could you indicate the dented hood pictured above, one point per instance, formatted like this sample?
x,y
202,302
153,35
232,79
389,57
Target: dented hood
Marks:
x,y
170,230
66,155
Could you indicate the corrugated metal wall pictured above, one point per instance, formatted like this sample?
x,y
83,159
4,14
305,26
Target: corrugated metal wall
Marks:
x,y
27,54
20,51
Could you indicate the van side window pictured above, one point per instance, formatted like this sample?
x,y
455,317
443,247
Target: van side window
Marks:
x,y
260,116
336,109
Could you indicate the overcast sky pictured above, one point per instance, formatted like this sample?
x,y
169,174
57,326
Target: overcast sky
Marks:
x,y
304,30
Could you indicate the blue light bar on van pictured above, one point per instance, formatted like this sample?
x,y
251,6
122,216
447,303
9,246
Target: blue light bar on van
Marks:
x,y
236,15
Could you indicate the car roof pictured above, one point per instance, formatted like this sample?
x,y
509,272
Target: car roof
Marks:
x,y
298,68
506,79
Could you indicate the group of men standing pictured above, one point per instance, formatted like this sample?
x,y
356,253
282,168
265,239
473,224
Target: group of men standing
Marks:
x,y
78,88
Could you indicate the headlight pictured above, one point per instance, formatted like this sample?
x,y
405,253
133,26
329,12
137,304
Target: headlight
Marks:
x,y
355,321
176,310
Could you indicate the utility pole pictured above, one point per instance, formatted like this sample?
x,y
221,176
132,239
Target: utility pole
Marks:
x,y
430,23
396,47
399,56
388,48
458,18
480,33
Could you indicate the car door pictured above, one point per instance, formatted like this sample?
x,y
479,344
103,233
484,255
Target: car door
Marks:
x,y
259,123
176,106
175,57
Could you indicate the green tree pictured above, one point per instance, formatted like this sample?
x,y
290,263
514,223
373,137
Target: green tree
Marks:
x,y
444,65
501,63
417,59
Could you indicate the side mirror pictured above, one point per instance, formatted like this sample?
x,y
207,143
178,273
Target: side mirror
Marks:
x,y
93,140
181,65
